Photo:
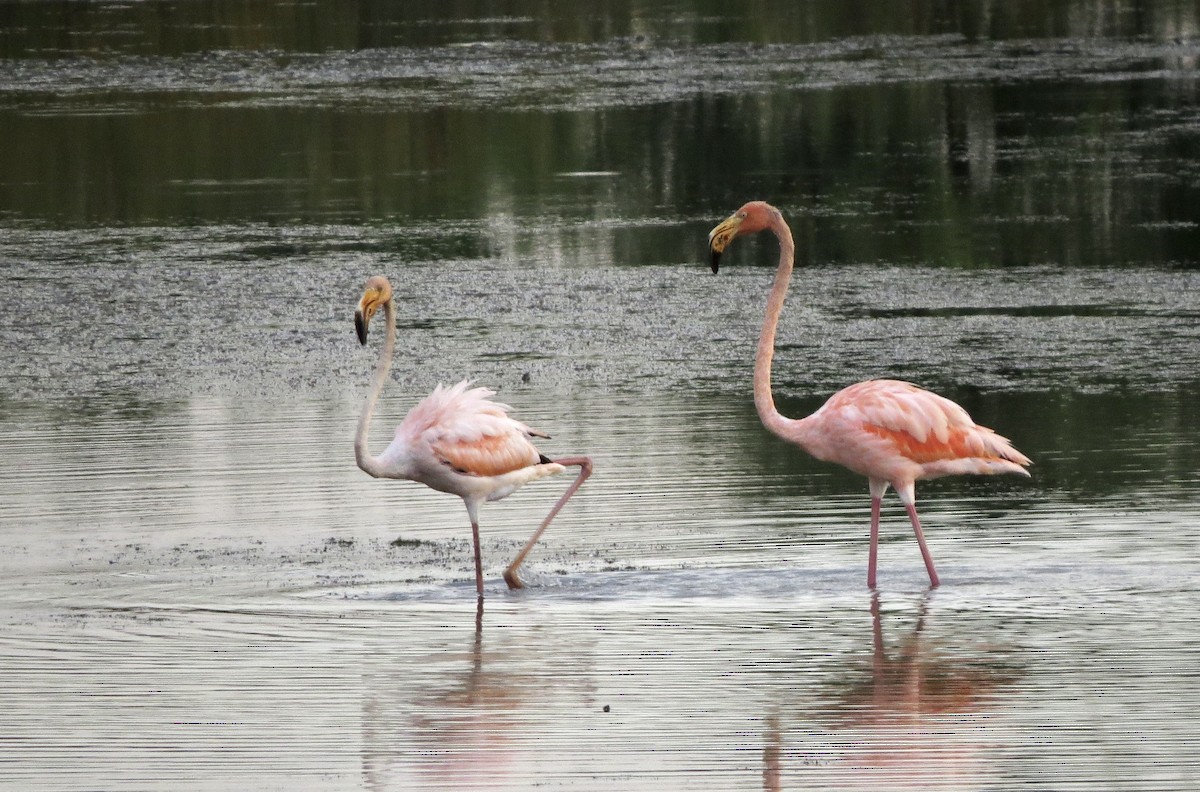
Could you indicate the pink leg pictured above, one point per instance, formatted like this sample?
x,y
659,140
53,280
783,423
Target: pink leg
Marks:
x,y
478,559
585,470
916,524
873,556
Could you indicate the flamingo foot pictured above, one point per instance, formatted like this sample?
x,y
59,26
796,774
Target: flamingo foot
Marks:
x,y
511,578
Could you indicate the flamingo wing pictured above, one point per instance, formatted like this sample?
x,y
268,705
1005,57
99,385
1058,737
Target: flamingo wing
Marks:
x,y
921,426
466,430
487,455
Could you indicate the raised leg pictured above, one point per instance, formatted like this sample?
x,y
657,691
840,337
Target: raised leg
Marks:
x,y
585,470
916,524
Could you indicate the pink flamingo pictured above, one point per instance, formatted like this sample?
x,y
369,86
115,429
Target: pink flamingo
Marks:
x,y
892,432
456,440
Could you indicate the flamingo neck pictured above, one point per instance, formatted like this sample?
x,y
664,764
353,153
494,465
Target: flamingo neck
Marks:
x,y
368,463
764,402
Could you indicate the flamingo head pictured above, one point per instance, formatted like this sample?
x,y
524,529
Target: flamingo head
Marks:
x,y
750,219
376,294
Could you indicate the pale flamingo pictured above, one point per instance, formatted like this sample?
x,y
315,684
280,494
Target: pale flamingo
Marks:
x,y
456,440
892,432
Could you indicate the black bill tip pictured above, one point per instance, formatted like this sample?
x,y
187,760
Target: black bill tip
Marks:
x,y
716,260
360,327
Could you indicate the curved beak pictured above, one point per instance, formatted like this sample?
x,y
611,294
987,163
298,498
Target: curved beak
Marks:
x,y
363,313
360,326
720,237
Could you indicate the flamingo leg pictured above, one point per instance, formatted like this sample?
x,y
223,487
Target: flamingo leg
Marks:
x,y
585,470
916,524
873,554
478,559
878,488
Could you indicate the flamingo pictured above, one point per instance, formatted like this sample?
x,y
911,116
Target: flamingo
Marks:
x,y
892,432
456,440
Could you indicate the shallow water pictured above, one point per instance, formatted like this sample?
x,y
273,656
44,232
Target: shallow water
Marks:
x,y
171,611
211,584
198,589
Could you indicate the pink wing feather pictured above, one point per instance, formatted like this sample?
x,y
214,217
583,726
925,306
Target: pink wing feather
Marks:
x,y
922,426
469,432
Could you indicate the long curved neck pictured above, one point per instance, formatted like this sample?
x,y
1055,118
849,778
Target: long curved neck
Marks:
x,y
764,402
364,459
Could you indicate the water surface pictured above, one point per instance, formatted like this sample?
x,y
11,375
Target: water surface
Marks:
x,y
198,589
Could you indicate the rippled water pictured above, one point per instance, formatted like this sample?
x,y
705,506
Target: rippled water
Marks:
x,y
198,588
206,581
524,75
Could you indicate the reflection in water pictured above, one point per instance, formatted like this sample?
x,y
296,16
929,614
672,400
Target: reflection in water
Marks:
x,y
914,714
468,720
908,719
462,731
772,748
915,682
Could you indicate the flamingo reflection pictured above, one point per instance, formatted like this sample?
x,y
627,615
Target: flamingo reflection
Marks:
x,y
914,717
919,681
466,728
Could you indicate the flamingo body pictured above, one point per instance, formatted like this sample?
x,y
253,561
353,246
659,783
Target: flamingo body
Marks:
x,y
892,432
456,440
896,432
